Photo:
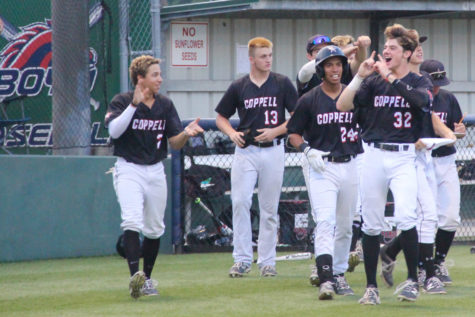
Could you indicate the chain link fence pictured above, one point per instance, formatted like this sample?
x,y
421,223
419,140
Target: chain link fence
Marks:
x,y
206,202
139,33
84,78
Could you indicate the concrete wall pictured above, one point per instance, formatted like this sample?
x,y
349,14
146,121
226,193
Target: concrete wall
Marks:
x,y
60,206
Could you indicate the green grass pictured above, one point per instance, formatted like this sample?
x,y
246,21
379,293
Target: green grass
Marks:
x,y
198,285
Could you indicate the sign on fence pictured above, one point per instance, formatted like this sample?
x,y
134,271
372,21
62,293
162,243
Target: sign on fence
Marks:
x,y
189,44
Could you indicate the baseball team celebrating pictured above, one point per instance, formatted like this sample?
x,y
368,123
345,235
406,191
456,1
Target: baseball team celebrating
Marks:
x,y
363,123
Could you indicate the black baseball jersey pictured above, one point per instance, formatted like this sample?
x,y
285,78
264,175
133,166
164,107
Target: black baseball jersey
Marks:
x,y
302,88
145,139
388,116
259,107
326,128
446,106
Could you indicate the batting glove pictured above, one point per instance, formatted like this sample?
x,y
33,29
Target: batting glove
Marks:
x,y
315,159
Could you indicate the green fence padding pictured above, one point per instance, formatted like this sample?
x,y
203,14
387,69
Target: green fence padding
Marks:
x,y
61,206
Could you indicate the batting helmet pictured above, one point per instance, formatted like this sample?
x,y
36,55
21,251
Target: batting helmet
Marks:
x,y
326,53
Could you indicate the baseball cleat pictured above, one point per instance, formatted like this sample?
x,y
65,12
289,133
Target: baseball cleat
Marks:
x,y
387,267
268,270
442,273
314,279
341,286
370,297
136,283
434,286
239,269
149,288
327,291
408,291
353,261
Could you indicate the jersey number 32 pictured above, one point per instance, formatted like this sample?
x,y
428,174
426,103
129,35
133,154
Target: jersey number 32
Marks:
x,y
403,120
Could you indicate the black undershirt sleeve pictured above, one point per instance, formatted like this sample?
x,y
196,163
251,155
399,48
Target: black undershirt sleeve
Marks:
x,y
417,97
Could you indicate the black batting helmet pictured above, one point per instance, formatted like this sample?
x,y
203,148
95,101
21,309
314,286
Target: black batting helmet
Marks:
x,y
326,53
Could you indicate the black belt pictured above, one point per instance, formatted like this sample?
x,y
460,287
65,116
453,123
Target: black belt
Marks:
x,y
266,144
340,159
390,147
440,155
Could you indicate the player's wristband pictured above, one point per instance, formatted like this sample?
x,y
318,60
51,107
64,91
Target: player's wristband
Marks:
x,y
133,105
303,146
355,83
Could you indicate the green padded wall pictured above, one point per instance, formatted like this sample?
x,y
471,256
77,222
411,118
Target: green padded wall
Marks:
x,y
61,206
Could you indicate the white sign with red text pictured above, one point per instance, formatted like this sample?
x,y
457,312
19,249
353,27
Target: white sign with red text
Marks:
x,y
189,44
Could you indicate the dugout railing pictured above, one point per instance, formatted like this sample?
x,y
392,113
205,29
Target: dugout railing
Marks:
x,y
202,203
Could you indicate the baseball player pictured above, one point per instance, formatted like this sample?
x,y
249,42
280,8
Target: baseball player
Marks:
x,y
140,123
307,78
260,99
426,198
331,173
394,100
445,105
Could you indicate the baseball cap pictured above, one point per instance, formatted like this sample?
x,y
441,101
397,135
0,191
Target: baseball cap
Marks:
x,y
436,71
316,40
422,39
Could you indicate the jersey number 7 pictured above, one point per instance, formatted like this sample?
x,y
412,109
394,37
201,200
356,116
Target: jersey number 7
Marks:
x,y
159,140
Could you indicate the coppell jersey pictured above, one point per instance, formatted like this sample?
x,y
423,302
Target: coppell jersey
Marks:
x,y
389,118
446,106
145,140
259,107
326,128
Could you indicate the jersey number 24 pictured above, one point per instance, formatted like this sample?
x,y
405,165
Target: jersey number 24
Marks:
x,y
348,135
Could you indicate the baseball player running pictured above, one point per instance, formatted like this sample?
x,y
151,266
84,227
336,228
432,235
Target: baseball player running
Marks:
x,y
426,198
394,100
307,78
331,173
140,123
260,100
445,105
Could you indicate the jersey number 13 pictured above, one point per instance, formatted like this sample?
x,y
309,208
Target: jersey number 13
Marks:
x,y
271,117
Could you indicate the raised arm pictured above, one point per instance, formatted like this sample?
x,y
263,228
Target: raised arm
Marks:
x,y
362,44
345,101
417,97
306,72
